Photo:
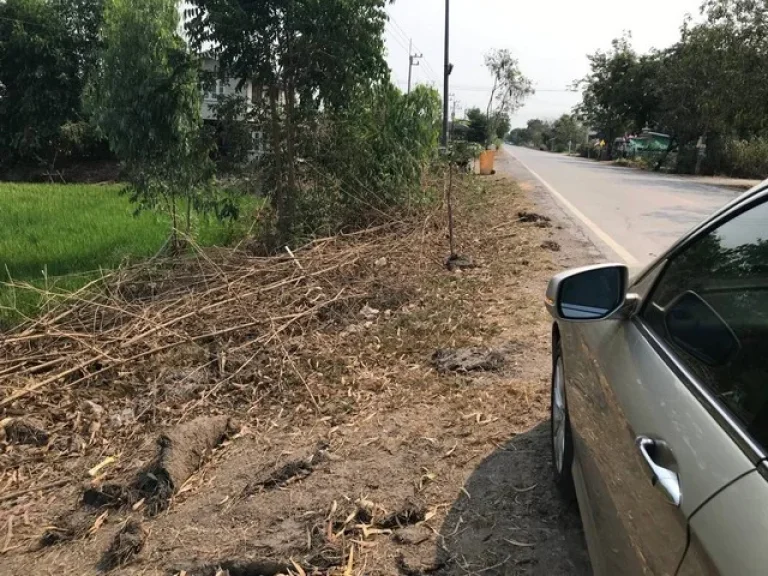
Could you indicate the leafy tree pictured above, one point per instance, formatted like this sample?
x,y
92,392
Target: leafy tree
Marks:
x,y
567,129
47,51
538,133
479,126
146,100
310,56
510,89
234,132
620,92
517,136
369,158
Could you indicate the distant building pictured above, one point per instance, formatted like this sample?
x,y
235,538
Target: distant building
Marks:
x,y
220,86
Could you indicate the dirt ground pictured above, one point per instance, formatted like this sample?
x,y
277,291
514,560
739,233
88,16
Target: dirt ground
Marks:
x,y
372,462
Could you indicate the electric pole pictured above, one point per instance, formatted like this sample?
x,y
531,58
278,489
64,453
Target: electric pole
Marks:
x,y
446,74
413,60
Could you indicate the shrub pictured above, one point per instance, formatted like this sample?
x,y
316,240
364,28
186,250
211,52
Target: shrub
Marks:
x,y
747,158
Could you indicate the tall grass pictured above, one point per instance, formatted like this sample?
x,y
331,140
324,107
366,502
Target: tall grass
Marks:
x,y
56,236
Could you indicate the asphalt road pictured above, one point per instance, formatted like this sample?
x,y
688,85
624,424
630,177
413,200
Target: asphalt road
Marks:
x,y
631,215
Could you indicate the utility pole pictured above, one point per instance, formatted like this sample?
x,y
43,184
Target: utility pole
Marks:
x,y
446,74
453,109
413,60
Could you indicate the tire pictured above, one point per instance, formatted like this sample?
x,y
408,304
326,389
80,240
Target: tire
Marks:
x,y
561,438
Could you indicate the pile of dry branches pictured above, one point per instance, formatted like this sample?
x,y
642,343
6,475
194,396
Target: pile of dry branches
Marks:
x,y
215,333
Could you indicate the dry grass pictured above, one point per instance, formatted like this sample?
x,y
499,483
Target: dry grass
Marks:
x,y
329,341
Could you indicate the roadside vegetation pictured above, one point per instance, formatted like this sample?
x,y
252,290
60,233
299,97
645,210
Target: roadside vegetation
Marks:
x,y
706,91
342,148
566,134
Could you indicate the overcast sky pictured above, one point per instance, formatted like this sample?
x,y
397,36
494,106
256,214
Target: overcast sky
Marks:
x,y
550,38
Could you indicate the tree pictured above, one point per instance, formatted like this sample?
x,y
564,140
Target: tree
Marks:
x,y
146,100
478,126
567,130
47,51
309,56
510,89
539,133
620,92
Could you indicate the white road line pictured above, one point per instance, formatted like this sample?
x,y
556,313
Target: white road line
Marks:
x,y
622,252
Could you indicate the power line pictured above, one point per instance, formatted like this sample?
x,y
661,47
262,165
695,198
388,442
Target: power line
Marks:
x,y
398,40
489,88
403,33
395,26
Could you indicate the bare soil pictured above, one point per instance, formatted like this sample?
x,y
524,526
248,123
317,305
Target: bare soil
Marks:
x,y
351,453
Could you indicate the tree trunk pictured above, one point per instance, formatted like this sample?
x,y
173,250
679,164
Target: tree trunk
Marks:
x,y
289,194
189,215
670,147
277,153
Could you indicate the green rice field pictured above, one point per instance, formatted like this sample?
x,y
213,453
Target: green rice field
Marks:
x,y
58,236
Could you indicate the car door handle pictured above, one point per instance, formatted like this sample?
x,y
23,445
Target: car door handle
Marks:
x,y
665,480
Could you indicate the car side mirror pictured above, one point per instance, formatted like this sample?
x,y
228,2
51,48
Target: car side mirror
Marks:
x,y
588,294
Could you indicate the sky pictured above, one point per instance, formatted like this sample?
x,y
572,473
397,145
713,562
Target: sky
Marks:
x,y
550,38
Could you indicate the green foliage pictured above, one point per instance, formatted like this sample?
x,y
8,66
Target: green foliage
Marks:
x,y
710,85
478,126
234,128
510,89
312,57
47,51
748,158
620,92
463,153
146,100
567,130
369,159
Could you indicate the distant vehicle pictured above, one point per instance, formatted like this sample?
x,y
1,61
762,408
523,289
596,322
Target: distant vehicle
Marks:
x,y
660,402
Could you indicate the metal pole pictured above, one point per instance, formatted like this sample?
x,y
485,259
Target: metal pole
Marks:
x,y
410,64
446,73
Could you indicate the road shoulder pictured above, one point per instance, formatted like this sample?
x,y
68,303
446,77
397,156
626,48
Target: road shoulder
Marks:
x,y
395,467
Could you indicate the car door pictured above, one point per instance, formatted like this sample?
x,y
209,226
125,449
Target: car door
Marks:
x,y
728,533
639,402
726,270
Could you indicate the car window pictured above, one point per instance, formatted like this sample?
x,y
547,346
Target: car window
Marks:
x,y
711,307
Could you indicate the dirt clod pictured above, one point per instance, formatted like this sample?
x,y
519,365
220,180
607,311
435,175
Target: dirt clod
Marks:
x,y
526,216
550,245
467,359
128,542
108,496
291,471
241,568
455,262
411,513
182,451
408,569
25,431
412,535
65,529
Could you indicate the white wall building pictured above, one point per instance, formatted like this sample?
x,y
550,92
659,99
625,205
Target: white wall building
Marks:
x,y
223,86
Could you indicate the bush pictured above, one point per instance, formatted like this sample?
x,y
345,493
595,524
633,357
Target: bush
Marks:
x,y
362,163
746,158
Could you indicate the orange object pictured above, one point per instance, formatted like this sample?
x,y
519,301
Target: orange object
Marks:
x,y
486,162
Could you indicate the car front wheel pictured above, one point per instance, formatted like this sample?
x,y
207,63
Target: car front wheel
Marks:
x,y
562,442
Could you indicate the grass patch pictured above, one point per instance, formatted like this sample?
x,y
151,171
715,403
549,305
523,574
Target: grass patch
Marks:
x,y
58,237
